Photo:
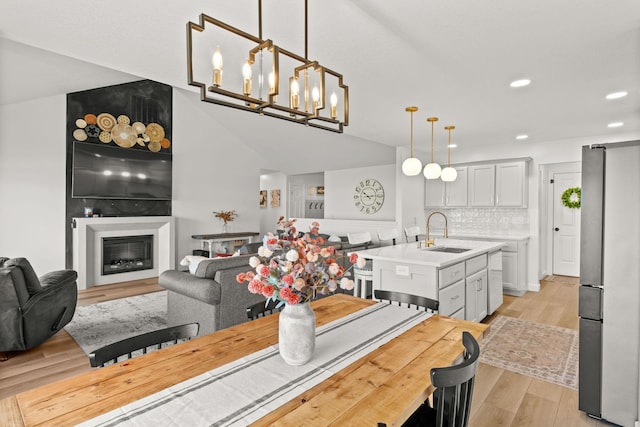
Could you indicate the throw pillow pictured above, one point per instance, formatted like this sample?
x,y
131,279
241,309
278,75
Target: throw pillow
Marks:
x,y
192,261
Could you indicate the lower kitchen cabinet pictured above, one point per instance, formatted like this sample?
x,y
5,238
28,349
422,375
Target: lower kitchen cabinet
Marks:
x,y
476,296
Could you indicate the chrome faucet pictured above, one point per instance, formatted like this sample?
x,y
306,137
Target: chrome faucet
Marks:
x,y
429,241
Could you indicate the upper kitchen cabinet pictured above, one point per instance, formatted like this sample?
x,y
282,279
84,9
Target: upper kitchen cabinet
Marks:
x,y
482,180
452,194
511,184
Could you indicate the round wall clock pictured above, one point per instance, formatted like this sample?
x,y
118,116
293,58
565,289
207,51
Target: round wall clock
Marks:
x,y
369,196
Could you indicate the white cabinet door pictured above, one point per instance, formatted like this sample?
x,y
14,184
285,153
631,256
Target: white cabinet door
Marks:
x,y
476,296
434,193
481,185
456,191
511,184
510,271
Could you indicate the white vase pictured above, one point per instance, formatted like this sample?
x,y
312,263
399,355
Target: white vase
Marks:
x,y
297,333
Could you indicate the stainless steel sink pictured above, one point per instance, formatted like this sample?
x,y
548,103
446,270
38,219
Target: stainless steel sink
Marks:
x,y
447,249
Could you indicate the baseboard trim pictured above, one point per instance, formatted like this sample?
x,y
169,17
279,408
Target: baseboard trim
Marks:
x,y
534,287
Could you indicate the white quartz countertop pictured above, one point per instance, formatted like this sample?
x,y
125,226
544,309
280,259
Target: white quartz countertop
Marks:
x,y
410,253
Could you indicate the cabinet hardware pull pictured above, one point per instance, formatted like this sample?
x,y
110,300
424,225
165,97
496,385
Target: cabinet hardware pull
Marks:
x,y
455,298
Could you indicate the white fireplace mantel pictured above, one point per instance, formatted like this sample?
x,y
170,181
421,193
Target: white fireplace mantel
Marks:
x,y
87,243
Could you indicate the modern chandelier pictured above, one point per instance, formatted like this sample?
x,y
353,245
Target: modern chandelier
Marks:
x,y
411,166
432,170
272,81
449,174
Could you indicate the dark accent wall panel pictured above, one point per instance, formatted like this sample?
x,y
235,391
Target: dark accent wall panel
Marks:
x,y
145,101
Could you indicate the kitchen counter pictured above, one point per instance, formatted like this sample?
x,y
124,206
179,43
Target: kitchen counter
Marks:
x,y
459,281
410,253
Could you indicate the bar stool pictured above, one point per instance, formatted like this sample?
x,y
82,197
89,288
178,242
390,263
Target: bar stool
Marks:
x,y
365,274
390,234
412,233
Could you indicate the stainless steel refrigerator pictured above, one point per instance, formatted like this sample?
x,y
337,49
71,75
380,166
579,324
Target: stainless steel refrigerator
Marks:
x,y
609,295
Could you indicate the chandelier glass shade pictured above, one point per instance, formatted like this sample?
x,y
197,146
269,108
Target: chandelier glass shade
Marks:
x,y
411,166
268,80
449,174
432,170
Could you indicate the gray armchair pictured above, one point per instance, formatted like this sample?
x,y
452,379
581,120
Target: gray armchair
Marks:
x,y
33,309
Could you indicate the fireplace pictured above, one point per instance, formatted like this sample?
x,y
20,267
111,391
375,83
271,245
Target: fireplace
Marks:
x,y
88,251
127,253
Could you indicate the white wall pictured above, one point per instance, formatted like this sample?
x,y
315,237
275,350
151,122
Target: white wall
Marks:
x,y
339,189
269,215
32,182
212,171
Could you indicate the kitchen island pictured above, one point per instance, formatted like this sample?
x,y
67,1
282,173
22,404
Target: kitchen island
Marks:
x,y
454,272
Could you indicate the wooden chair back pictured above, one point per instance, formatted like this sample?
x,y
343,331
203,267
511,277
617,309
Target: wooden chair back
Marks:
x,y
408,299
154,339
454,390
261,309
454,386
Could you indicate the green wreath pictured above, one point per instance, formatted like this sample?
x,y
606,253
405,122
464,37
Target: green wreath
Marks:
x,y
567,198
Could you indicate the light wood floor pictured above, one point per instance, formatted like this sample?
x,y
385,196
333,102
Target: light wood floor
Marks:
x,y
501,398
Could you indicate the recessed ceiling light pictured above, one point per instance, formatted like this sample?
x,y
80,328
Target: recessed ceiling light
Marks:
x,y
615,124
522,136
520,83
616,95
453,145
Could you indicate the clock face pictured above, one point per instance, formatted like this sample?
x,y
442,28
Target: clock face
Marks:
x,y
368,196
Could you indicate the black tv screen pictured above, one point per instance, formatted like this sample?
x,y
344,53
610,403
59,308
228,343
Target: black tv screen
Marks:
x,y
108,172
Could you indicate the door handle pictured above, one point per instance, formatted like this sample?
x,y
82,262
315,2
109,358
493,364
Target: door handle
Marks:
x,y
556,229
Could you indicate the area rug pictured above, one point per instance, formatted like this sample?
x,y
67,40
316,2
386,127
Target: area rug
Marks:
x,y
96,325
548,353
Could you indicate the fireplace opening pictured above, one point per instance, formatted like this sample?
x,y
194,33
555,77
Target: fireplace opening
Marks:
x,y
127,253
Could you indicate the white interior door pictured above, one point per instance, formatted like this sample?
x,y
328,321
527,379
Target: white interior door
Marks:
x,y
296,200
566,226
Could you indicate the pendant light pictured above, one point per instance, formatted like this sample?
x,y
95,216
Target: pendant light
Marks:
x,y
449,174
411,166
432,170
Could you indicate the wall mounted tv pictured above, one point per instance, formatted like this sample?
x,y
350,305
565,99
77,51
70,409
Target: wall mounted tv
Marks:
x,y
108,172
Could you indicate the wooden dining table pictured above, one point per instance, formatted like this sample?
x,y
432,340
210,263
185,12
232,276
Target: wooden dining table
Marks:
x,y
386,385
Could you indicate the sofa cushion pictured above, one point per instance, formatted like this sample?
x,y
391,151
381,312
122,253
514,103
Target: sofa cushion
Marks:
x,y
207,269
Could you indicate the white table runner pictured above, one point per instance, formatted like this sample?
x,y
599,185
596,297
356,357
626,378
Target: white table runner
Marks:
x,y
247,389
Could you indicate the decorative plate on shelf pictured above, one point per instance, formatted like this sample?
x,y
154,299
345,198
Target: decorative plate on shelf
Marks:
x,y
80,123
155,132
154,146
80,135
105,137
106,121
91,119
124,120
138,127
92,130
124,135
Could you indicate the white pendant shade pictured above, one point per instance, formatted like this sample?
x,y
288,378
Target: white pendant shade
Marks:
x,y
432,171
449,174
411,166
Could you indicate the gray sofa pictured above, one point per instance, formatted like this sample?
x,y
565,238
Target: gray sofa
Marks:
x,y
212,296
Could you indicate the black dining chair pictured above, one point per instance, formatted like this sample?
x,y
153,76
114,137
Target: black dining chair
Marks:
x,y
129,347
261,309
410,300
454,390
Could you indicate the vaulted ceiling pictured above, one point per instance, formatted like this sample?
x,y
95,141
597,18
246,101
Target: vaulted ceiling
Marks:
x,y
452,59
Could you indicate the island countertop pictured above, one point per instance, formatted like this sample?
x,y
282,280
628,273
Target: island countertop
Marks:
x,y
410,253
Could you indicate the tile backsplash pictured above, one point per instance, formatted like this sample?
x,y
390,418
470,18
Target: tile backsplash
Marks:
x,y
483,221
